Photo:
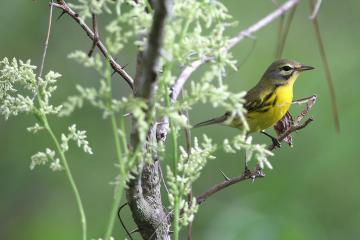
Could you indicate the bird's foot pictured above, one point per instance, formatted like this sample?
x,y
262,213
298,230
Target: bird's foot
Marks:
x,y
274,140
258,172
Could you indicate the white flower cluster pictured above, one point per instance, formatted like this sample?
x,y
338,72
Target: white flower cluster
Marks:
x,y
133,23
46,87
78,136
243,142
36,128
41,158
196,31
17,77
188,170
11,74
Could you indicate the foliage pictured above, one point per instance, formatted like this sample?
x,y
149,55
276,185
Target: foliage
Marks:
x,y
196,30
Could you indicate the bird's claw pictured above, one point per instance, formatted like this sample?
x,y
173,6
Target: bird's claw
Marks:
x,y
258,172
276,142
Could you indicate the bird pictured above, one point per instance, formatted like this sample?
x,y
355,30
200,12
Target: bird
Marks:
x,y
268,101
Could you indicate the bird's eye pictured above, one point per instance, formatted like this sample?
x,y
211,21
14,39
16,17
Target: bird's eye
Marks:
x,y
286,68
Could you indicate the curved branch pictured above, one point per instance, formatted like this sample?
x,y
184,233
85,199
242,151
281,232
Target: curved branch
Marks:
x,y
188,70
115,66
258,173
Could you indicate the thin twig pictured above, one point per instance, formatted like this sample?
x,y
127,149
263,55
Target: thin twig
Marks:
x,y
260,24
326,64
96,34
121,221
292,129
258,173
115,66
46,41
285,32
280,31
310,101
315,10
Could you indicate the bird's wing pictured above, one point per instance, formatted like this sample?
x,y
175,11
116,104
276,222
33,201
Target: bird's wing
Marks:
x,y
259,101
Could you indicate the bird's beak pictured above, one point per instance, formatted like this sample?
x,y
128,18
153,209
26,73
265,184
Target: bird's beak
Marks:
x,y
305,68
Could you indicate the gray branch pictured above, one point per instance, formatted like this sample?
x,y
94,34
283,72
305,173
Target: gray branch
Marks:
x,y
143,193
61,4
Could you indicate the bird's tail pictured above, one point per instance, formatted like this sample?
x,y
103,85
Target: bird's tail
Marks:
x,y
212,121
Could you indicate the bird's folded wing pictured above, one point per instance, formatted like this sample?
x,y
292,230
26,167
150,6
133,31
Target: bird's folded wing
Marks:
x,y
259,102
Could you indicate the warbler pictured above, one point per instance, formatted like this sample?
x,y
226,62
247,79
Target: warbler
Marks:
x,y
268,101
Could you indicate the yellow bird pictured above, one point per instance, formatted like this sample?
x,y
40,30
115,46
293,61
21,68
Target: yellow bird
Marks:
x,y
268,101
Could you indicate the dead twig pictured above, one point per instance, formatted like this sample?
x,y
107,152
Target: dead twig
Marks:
x,y
258,173
61,4
284,31
96,35
326,64
315,10
46,43
121,221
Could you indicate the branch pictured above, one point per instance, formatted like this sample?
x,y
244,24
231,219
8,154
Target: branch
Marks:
x,y
292,129
96,34
143,193
258,173
188,70
315,10
115,66
46,42
324,59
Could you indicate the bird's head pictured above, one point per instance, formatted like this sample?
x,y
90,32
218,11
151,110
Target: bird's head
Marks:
x,y
283,72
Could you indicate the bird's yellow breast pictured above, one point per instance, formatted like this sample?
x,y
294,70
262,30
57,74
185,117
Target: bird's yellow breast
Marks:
x,y
268,117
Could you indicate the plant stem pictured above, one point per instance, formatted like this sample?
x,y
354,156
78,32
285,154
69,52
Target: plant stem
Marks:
x,y
326,64
120,187
174,142
116,203
69,176
167,73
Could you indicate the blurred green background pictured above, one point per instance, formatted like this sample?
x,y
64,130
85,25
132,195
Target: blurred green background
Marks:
x,y
312,193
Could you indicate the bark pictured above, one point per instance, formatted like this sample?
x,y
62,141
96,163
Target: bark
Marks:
x,y
143,193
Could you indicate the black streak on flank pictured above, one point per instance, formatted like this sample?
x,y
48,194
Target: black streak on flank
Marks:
x,y
274,102
267,97
264,110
